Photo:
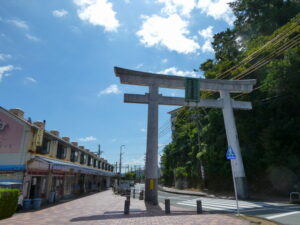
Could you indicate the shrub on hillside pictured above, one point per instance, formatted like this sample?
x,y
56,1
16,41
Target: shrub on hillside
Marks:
x,y
8,202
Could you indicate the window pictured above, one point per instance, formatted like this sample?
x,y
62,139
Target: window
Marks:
x,y
82,158
103,166
95,163
99,164
74,155
61,151
45,148
89,160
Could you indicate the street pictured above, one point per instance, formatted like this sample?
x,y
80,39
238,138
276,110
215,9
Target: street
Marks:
x,y
288,214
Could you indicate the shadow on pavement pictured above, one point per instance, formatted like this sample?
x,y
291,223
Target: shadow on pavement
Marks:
x,y
150,211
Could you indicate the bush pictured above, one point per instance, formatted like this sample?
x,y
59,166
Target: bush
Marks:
x,y
8,202
181,172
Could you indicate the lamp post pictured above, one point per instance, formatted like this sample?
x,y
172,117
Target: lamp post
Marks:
x,y
121,153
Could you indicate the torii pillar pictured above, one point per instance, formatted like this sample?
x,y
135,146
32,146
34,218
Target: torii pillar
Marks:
x,y
154,99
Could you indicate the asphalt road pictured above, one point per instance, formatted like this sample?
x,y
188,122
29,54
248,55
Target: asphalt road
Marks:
x,y
288,214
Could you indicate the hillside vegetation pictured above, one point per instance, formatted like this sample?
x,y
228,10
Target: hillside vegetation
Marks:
x,y
262,45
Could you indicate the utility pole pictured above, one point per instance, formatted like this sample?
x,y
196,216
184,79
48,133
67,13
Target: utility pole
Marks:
x,y
121,153
99,150
116,167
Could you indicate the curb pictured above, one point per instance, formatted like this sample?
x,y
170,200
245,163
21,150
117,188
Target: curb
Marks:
x,y
248,218
183,192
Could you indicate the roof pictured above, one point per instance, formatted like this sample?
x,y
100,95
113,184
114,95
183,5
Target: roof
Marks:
x,y
58,164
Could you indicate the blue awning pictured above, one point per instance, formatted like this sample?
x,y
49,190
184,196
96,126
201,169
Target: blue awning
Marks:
x,y
58,164
12,167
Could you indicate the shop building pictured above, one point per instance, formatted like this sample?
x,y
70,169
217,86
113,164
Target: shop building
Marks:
x,y
48,166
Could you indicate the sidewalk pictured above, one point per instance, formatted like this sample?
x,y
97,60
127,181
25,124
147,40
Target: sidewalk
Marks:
x,y
107,208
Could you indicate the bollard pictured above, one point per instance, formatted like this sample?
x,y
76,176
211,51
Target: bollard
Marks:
x,y
128,197
141,195
167,206
126,207
133,193
199,207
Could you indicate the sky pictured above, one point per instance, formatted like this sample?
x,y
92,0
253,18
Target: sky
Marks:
x,y
57,59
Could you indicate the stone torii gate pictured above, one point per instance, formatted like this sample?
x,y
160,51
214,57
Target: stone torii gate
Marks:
x,y
154,99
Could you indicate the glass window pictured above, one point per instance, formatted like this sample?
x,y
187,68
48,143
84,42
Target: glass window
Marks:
x,y
61,151
82,158
74,155
45,148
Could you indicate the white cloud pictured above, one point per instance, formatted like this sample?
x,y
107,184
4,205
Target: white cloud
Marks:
x,y
207,47
4,71
87,139
127,1
4,57
114,139
183,7
139,66
167,31
30,79
19,23
164,61
207,34
175,71
32,37
136,161
59,13
218,9
98,13
143,130
112,89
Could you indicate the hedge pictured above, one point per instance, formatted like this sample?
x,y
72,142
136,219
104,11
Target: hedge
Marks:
x,y
8,202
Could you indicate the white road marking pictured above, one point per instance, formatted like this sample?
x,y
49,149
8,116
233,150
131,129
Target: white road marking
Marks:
x,y
282,215
230,205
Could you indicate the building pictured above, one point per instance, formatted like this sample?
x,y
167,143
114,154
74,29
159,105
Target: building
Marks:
x,y
48,166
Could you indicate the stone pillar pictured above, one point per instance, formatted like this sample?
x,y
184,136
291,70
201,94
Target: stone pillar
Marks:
x,y
151,174
233,141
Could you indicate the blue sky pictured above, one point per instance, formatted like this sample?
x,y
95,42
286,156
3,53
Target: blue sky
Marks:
x,y
57,59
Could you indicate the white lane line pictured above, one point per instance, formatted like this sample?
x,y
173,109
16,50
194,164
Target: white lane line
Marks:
x,y
204,205
208,207
282,214
230,204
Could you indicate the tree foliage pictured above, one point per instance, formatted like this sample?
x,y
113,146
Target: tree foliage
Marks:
x,y
269,134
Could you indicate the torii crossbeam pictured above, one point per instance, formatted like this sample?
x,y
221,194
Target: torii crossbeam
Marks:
x,y
154,99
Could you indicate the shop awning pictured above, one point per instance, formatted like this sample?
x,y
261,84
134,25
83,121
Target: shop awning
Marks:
x,y
58,164
12,167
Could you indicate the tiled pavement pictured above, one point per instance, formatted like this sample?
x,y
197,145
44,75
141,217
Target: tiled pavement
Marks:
x,y
107,208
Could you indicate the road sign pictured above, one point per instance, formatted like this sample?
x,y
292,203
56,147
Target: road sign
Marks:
x,y
192,89
230,153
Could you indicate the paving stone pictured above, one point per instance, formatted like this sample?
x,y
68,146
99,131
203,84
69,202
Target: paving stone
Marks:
x,y
105,208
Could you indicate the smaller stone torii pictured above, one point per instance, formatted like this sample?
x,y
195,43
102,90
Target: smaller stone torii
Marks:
x,y
154,99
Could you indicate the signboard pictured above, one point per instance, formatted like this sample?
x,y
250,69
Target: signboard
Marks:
x,y
39,137
151,184
230,153
192,89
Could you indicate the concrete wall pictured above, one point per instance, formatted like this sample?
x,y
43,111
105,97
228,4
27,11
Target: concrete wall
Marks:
x,y
15,140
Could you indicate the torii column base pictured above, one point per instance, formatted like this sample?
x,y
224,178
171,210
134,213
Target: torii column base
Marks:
x,y
242,187
151,186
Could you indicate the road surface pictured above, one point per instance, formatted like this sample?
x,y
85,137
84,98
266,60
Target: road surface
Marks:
x,y
288,214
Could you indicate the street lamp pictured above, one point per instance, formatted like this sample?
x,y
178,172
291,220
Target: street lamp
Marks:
x,y
121,153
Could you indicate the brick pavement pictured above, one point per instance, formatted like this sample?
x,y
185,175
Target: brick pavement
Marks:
x,y
107,208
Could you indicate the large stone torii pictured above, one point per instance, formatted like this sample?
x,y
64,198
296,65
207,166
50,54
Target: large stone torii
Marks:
x,y
154,99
